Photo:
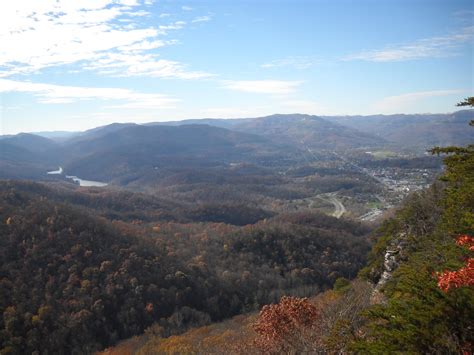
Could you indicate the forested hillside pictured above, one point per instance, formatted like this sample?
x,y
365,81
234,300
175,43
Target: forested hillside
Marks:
x,y
414,296
79,273
236,177
423,307
414,131
85,268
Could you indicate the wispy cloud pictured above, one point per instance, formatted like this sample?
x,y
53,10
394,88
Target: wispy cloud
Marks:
x,y
59,94
404,102
434,47
201,19
278,87
35,35
292,61
186,8
130,64
178,25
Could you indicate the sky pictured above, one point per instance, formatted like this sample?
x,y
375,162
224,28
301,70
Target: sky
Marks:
x,y
73,65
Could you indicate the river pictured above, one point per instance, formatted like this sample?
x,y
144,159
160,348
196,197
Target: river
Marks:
x,y
56,172
86,183
77,180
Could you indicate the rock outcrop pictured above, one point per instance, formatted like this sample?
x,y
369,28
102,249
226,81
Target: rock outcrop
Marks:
x,y
393,256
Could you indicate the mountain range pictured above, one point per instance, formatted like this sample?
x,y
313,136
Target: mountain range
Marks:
x,y
126,151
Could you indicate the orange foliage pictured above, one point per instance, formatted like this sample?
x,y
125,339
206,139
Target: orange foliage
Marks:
x,y
466,240
463,276
286,325
458,278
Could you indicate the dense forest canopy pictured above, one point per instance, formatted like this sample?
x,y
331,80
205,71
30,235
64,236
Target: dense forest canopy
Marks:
x,y
236,177
71,281
415,295
182,239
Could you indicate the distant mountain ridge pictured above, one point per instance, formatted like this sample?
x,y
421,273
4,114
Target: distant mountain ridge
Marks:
x,y
300,130
415,131
121,150
420,130
309,131
26,155
30,142
134,148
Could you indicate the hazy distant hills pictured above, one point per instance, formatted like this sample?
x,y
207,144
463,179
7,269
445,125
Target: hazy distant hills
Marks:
x,y
30,142
15,153
137,148
309,132
304,131
417,131
57,136
132,150
26,155
403,131
97,132
128,151
17,162
165,139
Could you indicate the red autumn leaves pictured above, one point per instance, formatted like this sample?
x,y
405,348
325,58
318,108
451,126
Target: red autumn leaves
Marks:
x,y
463,276
292,325
283,325
466,240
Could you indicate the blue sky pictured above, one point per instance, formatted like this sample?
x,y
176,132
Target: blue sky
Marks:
x,y
74,65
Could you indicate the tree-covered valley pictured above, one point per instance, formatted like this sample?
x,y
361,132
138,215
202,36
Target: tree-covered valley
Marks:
x,y
200,222
243,177
84,282
414,295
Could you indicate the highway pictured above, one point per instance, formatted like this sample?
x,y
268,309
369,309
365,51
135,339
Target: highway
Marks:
x,y
339,208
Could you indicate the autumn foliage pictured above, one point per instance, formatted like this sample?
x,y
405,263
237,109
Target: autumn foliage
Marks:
x,y
287,325
463,276
466,240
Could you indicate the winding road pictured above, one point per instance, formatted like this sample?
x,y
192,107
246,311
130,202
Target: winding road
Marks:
x,y
339,208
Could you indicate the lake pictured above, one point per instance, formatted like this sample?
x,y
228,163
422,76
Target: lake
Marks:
x,y
81,182
86,183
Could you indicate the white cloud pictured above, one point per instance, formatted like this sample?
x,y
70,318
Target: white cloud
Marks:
x,y
186,8
406,102
434,47
279,87
201,19
39,34
294,62
163,15
174,26
130,64
58,94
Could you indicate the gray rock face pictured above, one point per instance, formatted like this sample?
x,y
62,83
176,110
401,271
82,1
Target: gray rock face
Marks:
x,y
390,264
390,260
